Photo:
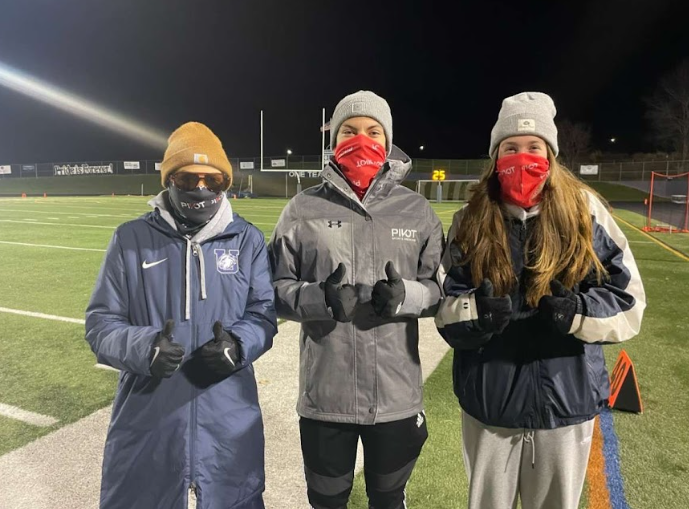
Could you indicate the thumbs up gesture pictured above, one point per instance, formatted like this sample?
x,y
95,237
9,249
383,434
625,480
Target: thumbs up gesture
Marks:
x,y
341,299
166,355
388,294
493,312
222,354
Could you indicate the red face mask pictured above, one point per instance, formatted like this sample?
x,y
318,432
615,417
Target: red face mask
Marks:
x,y
360,158
520,176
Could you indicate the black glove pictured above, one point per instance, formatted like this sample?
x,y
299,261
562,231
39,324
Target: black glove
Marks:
x,y
222,354
559,308
493,312
388,295
166,356
341,299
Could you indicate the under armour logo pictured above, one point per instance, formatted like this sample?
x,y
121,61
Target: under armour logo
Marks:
x,y
333,224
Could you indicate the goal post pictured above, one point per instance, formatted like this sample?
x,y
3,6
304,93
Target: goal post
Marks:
x,y
668,204
456,190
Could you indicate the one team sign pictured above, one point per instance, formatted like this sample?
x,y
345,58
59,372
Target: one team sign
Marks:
x,y
83,169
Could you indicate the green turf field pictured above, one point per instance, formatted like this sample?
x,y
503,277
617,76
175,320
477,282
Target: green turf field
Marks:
x,y
46,367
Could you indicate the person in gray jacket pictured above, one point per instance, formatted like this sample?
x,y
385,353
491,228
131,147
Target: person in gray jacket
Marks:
x,y
354,260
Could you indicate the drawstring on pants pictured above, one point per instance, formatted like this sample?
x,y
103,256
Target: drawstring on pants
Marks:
x,y
529,438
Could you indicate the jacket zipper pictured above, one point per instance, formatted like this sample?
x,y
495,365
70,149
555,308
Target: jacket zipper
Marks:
x,y
538,418
192,431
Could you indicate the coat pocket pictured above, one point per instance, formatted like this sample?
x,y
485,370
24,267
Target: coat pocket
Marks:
x,y
329,375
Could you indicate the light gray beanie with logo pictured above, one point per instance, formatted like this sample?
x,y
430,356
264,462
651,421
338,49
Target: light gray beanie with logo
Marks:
x,y
528,113
363,103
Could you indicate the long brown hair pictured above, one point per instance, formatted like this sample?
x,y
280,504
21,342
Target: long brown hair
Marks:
x,y
559,246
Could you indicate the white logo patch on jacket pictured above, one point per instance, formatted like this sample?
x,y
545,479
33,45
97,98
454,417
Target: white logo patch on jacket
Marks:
x,y
227,260
403,234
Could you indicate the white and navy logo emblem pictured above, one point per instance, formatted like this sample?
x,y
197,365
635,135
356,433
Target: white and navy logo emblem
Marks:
x,y
227,260
526,125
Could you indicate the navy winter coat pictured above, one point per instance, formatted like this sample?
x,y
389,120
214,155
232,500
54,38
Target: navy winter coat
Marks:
x,y
528,376
189,433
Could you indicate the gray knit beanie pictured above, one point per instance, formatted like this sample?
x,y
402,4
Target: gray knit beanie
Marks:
x,y
362,104
528,113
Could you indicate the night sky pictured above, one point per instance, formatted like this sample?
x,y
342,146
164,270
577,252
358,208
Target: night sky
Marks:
x,y
444,67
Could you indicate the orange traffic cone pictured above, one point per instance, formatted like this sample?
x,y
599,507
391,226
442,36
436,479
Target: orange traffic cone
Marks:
x,y
23,195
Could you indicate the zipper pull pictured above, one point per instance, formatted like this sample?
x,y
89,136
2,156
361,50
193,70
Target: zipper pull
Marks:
x,y
191,503
195,249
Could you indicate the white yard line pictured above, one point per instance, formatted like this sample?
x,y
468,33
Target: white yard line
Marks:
x,y
62,213
106,367
52,247
99,207
42,315
59,224
25,416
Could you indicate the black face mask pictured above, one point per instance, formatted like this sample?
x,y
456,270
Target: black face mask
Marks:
x,y
196,207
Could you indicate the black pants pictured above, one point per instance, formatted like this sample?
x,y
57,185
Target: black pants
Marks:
x,y
390,453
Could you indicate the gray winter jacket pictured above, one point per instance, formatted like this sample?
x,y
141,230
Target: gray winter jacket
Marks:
x,y
366,371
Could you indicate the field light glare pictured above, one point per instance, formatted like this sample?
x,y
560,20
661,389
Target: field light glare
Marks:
x,y
80,107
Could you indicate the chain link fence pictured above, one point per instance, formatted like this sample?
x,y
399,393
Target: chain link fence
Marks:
x,y
422,168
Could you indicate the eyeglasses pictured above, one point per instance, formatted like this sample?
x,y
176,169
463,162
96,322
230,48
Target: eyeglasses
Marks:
x,y
186,181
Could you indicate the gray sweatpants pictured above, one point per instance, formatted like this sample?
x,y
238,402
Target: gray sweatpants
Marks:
x,y
545,468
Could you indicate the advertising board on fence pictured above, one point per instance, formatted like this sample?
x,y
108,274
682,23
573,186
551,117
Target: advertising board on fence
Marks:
x,y
132,165
28,167
83,169
158,165
5,169
246,165
588,169
277,163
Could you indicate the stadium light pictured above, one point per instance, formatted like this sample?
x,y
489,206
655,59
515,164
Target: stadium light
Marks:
x,y
78,106
613,140
421,148
289,152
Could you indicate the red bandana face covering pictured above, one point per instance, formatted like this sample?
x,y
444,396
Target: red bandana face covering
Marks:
x,y
520,176
360,158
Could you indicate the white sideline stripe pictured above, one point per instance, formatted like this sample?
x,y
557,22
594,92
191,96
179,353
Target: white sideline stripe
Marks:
x,y
59,224
641,242
52,247
25,416
42,315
